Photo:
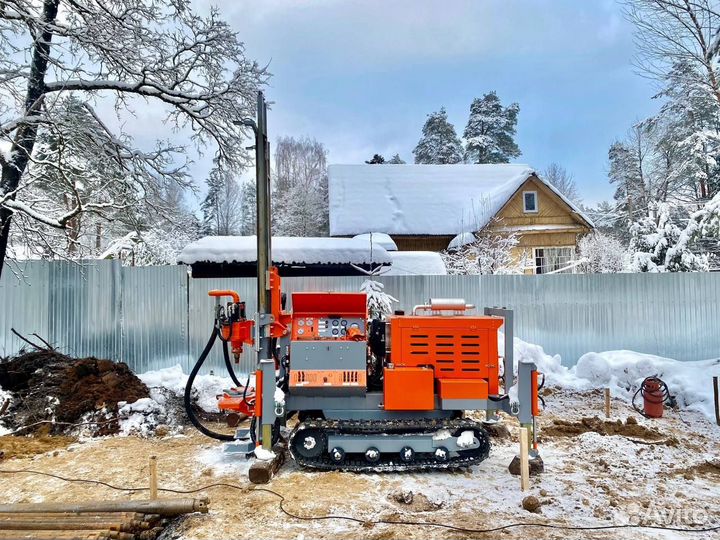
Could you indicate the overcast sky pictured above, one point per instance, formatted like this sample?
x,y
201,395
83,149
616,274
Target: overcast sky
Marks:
x,y
361,76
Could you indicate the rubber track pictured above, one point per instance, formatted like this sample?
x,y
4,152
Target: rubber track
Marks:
x,y
391,462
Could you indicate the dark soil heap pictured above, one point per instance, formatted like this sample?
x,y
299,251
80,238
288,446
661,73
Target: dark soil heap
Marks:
x,y
49,385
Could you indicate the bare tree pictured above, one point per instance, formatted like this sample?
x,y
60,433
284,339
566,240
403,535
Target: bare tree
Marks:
x,y
672,32
301,187
129,52
564,181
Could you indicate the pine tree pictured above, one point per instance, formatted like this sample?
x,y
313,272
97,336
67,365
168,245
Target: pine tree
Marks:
x,y
490,131
377,159
658,244
396,160
439,143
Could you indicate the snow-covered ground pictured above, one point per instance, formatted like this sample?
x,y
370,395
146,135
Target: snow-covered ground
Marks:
x,y
623,371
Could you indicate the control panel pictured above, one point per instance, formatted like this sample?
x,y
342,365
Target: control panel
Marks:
x,y
326,327
329,316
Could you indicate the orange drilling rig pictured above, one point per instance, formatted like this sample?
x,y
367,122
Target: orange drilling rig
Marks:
x,y
368,394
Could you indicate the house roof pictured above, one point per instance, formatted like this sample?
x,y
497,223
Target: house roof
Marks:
x,y
423,199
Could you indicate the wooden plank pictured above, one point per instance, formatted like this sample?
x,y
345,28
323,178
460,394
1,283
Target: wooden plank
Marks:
x,y
153,478
716,391
261,472
607,403
524,459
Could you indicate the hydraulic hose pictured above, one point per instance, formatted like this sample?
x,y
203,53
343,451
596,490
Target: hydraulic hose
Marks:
x,y
188,391
228,363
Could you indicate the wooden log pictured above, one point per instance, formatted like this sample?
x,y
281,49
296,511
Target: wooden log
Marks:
x,y
163,507
524,459
261,471
62,525
153,478
107,516
607,403
52,535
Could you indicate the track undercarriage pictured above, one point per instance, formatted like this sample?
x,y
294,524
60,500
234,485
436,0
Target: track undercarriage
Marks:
x,y
389,445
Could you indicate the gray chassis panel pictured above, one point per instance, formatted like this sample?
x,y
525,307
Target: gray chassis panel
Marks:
x,y
419,443
335,355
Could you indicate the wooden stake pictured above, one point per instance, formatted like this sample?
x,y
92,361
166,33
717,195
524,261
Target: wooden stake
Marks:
x,y
153,478
524,459
716,391
607,403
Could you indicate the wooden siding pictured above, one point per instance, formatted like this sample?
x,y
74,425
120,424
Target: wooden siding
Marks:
x,y
551,209
421,243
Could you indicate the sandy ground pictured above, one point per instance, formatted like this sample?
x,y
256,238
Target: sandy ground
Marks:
x,y
667,475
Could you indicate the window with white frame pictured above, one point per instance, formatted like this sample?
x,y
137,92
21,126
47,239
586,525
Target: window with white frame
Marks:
x,y
553,259
530,202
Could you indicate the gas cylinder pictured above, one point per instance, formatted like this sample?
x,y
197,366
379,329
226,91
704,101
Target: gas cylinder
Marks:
x,y
653,397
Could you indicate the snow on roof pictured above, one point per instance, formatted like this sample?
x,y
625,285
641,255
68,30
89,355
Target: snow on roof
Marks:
x,y
285,250
422,199
412,263
461,240
378,239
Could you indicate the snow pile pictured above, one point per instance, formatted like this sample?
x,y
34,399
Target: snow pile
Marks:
x,y
5,397
378,239
624,371
462,239
206,387
264,455
164,406
466,439
414,263
141,417
285,250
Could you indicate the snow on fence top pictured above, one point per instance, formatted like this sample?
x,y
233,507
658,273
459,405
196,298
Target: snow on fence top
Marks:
x,y
422,199
414,263
285,250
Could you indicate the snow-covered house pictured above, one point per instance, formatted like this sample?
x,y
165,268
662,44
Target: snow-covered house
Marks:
x,y
425,207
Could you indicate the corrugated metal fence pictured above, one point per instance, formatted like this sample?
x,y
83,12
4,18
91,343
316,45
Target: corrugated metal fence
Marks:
x,y
155,317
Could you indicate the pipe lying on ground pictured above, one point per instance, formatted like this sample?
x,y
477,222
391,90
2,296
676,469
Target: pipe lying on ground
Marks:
x,y
163,507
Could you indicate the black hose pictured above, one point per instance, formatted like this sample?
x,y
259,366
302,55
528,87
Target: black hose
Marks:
x,y
188,392
642,391
229,366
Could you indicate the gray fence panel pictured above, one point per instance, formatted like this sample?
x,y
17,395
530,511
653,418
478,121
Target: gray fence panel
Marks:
x,y
84,308
154,317
157,317
23,304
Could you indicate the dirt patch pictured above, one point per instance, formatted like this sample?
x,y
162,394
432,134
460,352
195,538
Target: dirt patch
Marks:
x,y
704,470
48,385
20,447
631,429
416,502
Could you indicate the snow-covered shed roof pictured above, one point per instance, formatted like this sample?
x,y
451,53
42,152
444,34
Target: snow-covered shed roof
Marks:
x,y
422,199
285,250
378,239
414,263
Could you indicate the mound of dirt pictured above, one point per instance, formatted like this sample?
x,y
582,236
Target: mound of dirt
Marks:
x,y
631,429
48,385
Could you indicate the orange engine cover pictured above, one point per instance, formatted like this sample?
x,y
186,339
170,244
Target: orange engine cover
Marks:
x,y
462,389
408,389
457,347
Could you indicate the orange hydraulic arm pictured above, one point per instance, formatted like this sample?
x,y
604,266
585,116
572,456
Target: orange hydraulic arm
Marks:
x,y
232,323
